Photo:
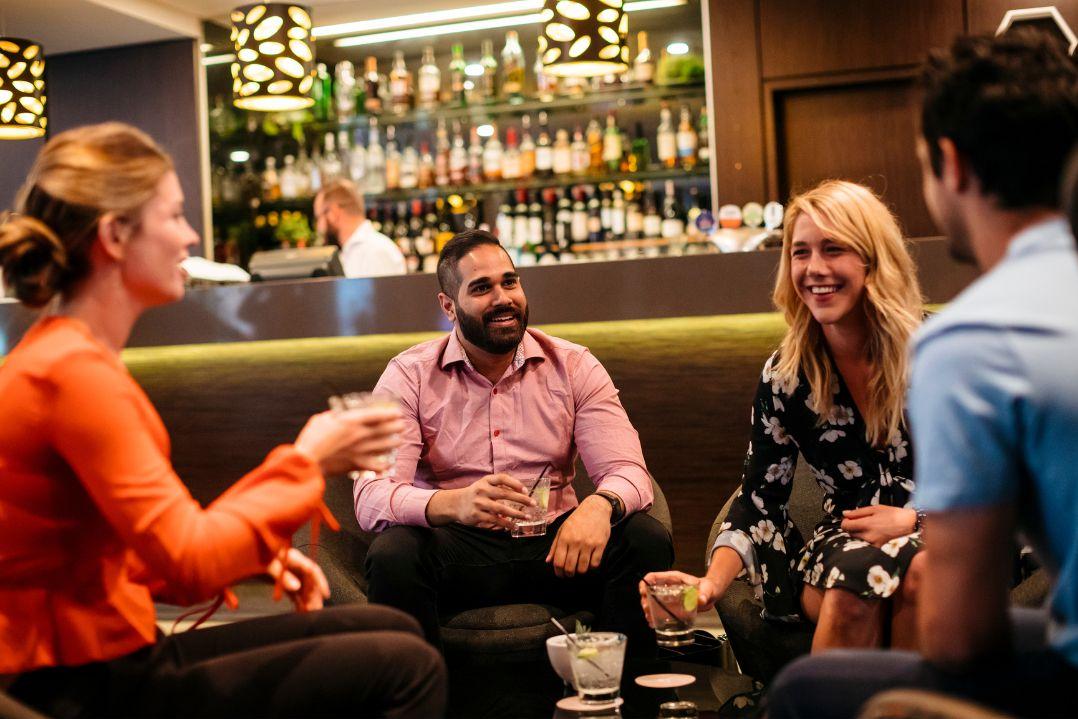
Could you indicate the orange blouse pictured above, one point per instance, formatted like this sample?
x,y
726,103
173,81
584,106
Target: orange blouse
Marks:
x,y
92,515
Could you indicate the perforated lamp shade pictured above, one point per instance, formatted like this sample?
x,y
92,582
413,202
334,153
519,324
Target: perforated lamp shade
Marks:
x,y
22,89
584,38
274,67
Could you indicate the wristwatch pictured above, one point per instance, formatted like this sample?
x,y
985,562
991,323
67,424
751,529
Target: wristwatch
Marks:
x,y
617,512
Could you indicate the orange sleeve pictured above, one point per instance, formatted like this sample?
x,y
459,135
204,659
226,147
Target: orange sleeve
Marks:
x,y
99,426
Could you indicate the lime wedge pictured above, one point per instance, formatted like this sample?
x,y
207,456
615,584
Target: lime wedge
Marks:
x,y
542,497
690,598
587,653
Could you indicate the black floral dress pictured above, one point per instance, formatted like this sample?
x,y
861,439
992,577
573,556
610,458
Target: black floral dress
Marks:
x,y
852,474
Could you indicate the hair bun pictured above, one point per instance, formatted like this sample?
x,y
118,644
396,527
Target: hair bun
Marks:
x,y
32,257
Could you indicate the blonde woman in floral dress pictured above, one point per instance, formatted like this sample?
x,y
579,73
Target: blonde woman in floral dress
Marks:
x,y
833,393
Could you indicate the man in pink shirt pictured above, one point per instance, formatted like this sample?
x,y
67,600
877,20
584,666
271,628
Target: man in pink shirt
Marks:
x,y
489,404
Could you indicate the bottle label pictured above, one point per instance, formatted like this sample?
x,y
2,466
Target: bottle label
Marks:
x,y
667,146
672,228
652,226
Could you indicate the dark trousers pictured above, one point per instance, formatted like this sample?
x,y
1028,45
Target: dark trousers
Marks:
x,y
1033,682
350,661
431,571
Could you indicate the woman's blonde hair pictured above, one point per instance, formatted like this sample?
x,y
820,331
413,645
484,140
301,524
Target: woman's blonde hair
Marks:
x,y
854,216
79,176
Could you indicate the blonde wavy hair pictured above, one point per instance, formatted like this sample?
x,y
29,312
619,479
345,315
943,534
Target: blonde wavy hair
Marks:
x,y
854,216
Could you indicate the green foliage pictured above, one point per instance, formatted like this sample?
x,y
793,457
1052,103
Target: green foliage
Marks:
x,y
680,70
293,228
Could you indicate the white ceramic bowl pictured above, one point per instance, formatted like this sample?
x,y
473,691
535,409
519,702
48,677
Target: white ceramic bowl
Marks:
x,y
558,652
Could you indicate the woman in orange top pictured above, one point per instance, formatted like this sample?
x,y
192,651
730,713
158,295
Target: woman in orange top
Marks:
x,y
94,522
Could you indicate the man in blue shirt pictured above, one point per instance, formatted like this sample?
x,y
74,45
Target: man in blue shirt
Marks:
x,y
993,400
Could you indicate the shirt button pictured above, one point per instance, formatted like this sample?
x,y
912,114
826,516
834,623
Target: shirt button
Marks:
x,y
495,390
497,432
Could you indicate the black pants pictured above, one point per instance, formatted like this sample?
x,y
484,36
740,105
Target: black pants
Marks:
x,y
1034,682
352,661
427,571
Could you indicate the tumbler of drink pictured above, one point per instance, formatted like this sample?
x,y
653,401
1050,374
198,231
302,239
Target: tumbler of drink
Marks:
x,y
673,612
597,659
365,400
535,518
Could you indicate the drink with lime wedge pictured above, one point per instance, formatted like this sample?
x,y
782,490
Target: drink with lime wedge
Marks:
x,y
535,518
673,612
596,659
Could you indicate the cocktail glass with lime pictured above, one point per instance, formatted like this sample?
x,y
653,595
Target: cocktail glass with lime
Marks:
x,y
535,517
596,659
673,613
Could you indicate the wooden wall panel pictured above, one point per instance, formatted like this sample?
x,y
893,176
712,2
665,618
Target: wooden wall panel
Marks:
x,y
860,132
804,37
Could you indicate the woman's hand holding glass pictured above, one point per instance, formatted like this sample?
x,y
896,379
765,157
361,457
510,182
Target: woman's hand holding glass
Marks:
x,y
708,592
363,438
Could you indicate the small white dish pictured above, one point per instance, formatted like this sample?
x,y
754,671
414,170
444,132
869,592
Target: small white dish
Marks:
x,y
665,681
574,704
557,650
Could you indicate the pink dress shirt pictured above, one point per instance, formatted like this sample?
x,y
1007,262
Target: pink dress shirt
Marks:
x,y
554,402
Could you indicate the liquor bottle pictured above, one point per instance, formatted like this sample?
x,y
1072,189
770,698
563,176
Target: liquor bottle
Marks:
x,y
563,154
703,152
492,158
666,139
581,155
289,184
429,81
579,234
686,140
331,161
640,152
634,218
520,219
400,84
441,155
692,213
546,85
426,166
652,219
504,223
271,181
595,218
424,244
511,156
488,83
458,157
344,90
535,220
544,151
393,159
409,168
400,233
612,147
475,158
673,226
563,222
389,225
527,148
549,212
315,174
322,92
512,68
457,76
594,138
643,64
617,216
371,81
344,152
357,163
445,226
605,210
415,223
376,161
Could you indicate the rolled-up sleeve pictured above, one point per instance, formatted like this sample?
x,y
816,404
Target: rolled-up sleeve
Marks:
x,y
382,501
607,441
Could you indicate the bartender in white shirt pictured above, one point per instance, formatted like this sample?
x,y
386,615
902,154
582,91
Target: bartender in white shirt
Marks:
x,y
341,219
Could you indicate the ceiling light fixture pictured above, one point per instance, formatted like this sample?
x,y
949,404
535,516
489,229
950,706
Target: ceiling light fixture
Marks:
x,y
584,38
219,59
404,26
677,48
22,89
274,67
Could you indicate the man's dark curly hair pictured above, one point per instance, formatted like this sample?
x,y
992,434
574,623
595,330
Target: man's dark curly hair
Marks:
x,y
451,255
1010,105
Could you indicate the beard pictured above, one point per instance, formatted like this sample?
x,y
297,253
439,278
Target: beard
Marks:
x,y
959,247
495,340
333,236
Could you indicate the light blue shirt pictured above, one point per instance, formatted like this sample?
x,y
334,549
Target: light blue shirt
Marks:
x,y
994,405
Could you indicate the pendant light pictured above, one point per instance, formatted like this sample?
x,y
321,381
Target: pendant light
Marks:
x,y
584,38
22,89
274,67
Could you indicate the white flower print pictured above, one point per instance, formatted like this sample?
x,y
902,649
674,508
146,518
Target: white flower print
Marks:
x,y
831,435
881,582
825,481
782,472
725,526
899,447
828,505
813,577
803,563
773,427
777,404
840,415
850,469
763,573
907,484
853,544
891,548
759,502
762,531
779,544
875,498
834,576
766,376
810,403
885,477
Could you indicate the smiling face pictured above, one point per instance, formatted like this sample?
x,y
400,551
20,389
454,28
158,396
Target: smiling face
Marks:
x,y
490,309
829,276
160,242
